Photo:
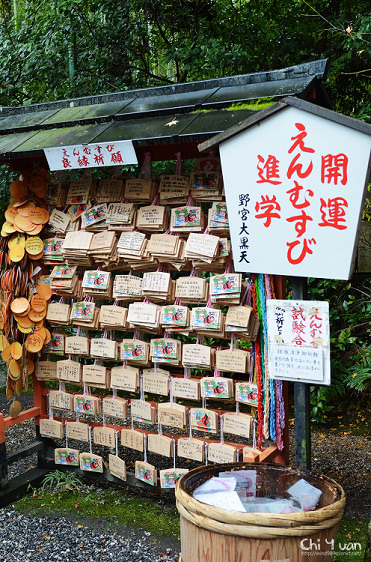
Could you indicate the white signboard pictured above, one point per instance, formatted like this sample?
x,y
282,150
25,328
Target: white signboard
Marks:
x,y
294,185
97,155
299,341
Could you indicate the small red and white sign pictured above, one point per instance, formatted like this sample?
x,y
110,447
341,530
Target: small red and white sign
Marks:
x,y
96,155
299,341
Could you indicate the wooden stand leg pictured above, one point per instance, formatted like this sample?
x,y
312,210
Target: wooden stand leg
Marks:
x,y
3,467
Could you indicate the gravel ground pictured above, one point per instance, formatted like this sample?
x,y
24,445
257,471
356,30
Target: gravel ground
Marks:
x,y
23,537
342,457
346,459
26,537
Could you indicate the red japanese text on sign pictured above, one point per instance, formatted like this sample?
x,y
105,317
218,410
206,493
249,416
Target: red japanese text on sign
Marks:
x,y
268,170
269,207
315,326
298,340
298,325
334,167
333,212
304,174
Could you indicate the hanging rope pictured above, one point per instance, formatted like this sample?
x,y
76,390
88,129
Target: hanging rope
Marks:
x,y
280,404
271,413
259,373
264,350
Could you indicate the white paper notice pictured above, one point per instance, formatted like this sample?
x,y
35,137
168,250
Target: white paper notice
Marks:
x,y
223,500
299,341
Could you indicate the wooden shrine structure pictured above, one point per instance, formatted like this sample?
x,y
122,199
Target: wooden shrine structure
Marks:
x,y
162,121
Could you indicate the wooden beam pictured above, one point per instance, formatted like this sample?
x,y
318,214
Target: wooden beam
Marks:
x,y
18,486
252,456
3,467
268,454
24,452
23,416
301,398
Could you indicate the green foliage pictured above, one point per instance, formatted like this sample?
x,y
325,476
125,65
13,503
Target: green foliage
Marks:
x,y
322,397
350,313
58,481
366,214
350,531
359,374
122,507
55,50
6,177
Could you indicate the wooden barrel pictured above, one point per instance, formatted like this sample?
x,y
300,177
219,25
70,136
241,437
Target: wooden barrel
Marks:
x,y
211,534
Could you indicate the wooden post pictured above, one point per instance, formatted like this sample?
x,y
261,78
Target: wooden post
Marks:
x,y
3,459
40,401
301,399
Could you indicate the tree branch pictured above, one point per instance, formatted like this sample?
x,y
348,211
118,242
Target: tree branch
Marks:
x,y
322,17
161,31
148,73
356,72
15,90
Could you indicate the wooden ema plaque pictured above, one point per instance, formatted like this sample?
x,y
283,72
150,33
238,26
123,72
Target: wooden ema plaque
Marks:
x,y
172,415
160,445
132,439
113,316
77,345
247,392
91,463
46,370
115,407
85,404
51,428
95,375
125,378
169,476
142,410
216,388
60,400
221,453
67,457
193,449
237,424
146,473
78,431
117,467
104,436
186,388
156,382
69,371
236,360
204,420
103,348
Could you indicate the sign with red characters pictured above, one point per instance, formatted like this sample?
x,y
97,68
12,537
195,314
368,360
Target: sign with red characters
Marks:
x,y
294,186
299,341
96,155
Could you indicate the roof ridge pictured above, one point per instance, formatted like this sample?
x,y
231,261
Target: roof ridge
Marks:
x,y
315,68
